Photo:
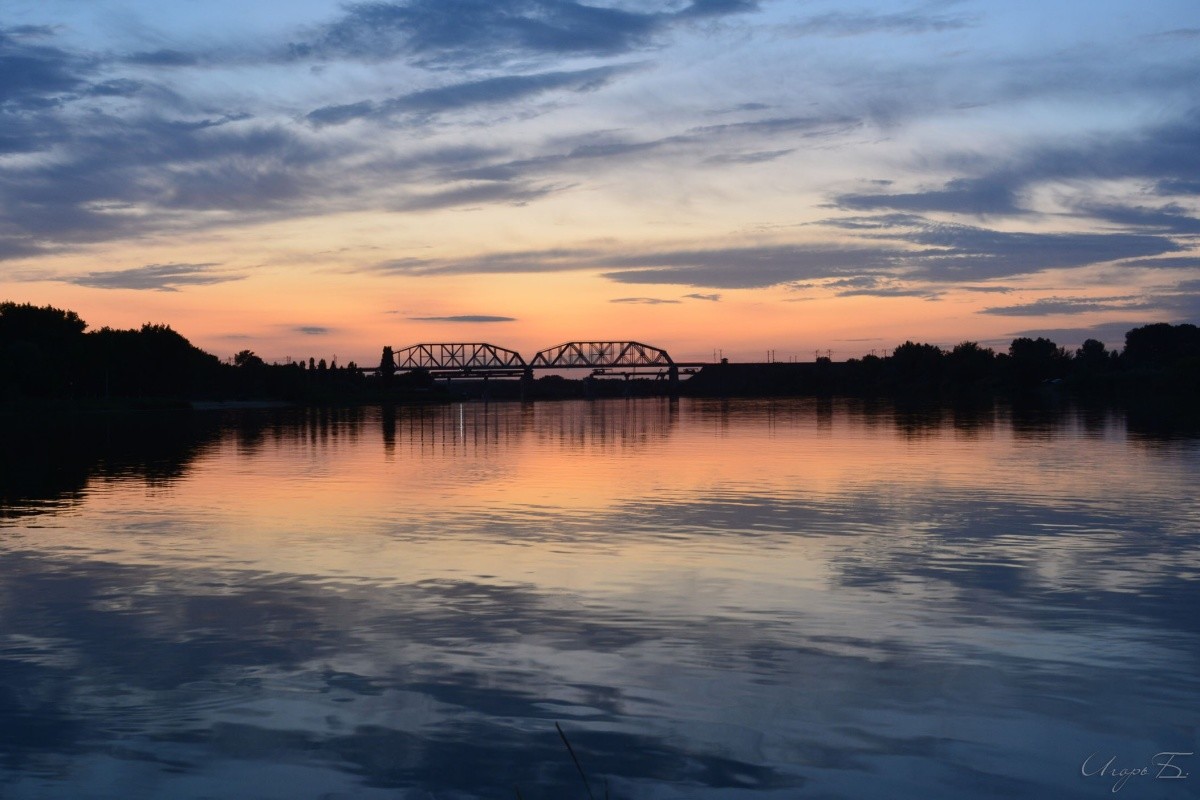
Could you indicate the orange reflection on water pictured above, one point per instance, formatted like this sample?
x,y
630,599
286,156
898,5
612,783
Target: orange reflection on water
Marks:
x,y
591,494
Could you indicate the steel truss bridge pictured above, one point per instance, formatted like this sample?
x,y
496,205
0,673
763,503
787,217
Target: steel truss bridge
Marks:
x,y
484,360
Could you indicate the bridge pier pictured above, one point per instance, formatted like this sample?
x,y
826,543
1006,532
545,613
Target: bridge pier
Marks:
x,y
526,385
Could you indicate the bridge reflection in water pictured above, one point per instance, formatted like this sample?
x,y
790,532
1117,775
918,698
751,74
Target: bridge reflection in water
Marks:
x,y
484,360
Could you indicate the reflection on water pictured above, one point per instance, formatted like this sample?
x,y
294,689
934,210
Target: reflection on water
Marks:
x,y
714,598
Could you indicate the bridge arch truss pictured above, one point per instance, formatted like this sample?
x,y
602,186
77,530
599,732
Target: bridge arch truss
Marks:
x,y
601,355
457,356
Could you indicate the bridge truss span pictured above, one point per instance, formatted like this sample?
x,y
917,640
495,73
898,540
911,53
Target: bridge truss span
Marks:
x,y
458,356
601,355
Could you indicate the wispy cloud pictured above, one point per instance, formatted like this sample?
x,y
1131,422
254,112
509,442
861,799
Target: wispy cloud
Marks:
x,y
482,318
155,277
864,23
476,32
459,96
645,301
759,157
905,256
1051,306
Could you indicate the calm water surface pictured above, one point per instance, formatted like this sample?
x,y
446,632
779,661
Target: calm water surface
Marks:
x,y
714,599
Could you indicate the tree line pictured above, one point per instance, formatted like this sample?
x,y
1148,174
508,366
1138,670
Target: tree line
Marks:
x,y
1159,355
46,352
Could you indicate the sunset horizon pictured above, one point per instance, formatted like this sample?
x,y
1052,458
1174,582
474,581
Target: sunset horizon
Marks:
x,y
714,176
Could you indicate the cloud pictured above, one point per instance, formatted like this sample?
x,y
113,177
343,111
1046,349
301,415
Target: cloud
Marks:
x,y
520,261
487,32
728,267
105,169
163,58
647,301
712,298
1171,218
759,157
481,318
516,194
968,253
864,23
992,195
312,330
157,277
808,126
989,289
1170,186
118,87
745,267
1178,33
34,76
892,291
896,261
1173,262
1048,306
458,96
1166,156
876,286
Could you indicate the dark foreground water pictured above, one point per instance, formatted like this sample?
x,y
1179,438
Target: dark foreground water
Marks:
x,y
713,599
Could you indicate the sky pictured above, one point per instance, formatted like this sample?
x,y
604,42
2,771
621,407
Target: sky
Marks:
x,y
713,177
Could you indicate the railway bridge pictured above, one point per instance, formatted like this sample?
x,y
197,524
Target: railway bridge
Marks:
x,y
485,360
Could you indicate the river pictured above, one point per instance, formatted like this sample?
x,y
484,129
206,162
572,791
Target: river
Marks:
x,y
711,599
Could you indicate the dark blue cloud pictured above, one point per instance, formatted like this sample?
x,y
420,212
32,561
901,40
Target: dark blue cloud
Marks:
x,y
478,32
155,163
746,267
1165,156
454,97
36,76
163,58
312,330
1170,218
983,196
966,253
1172,262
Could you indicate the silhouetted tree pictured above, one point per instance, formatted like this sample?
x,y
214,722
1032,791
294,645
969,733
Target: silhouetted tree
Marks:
x,y
40,349
968,363
1092,352
1036,360
248,359
917,365
1160,345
